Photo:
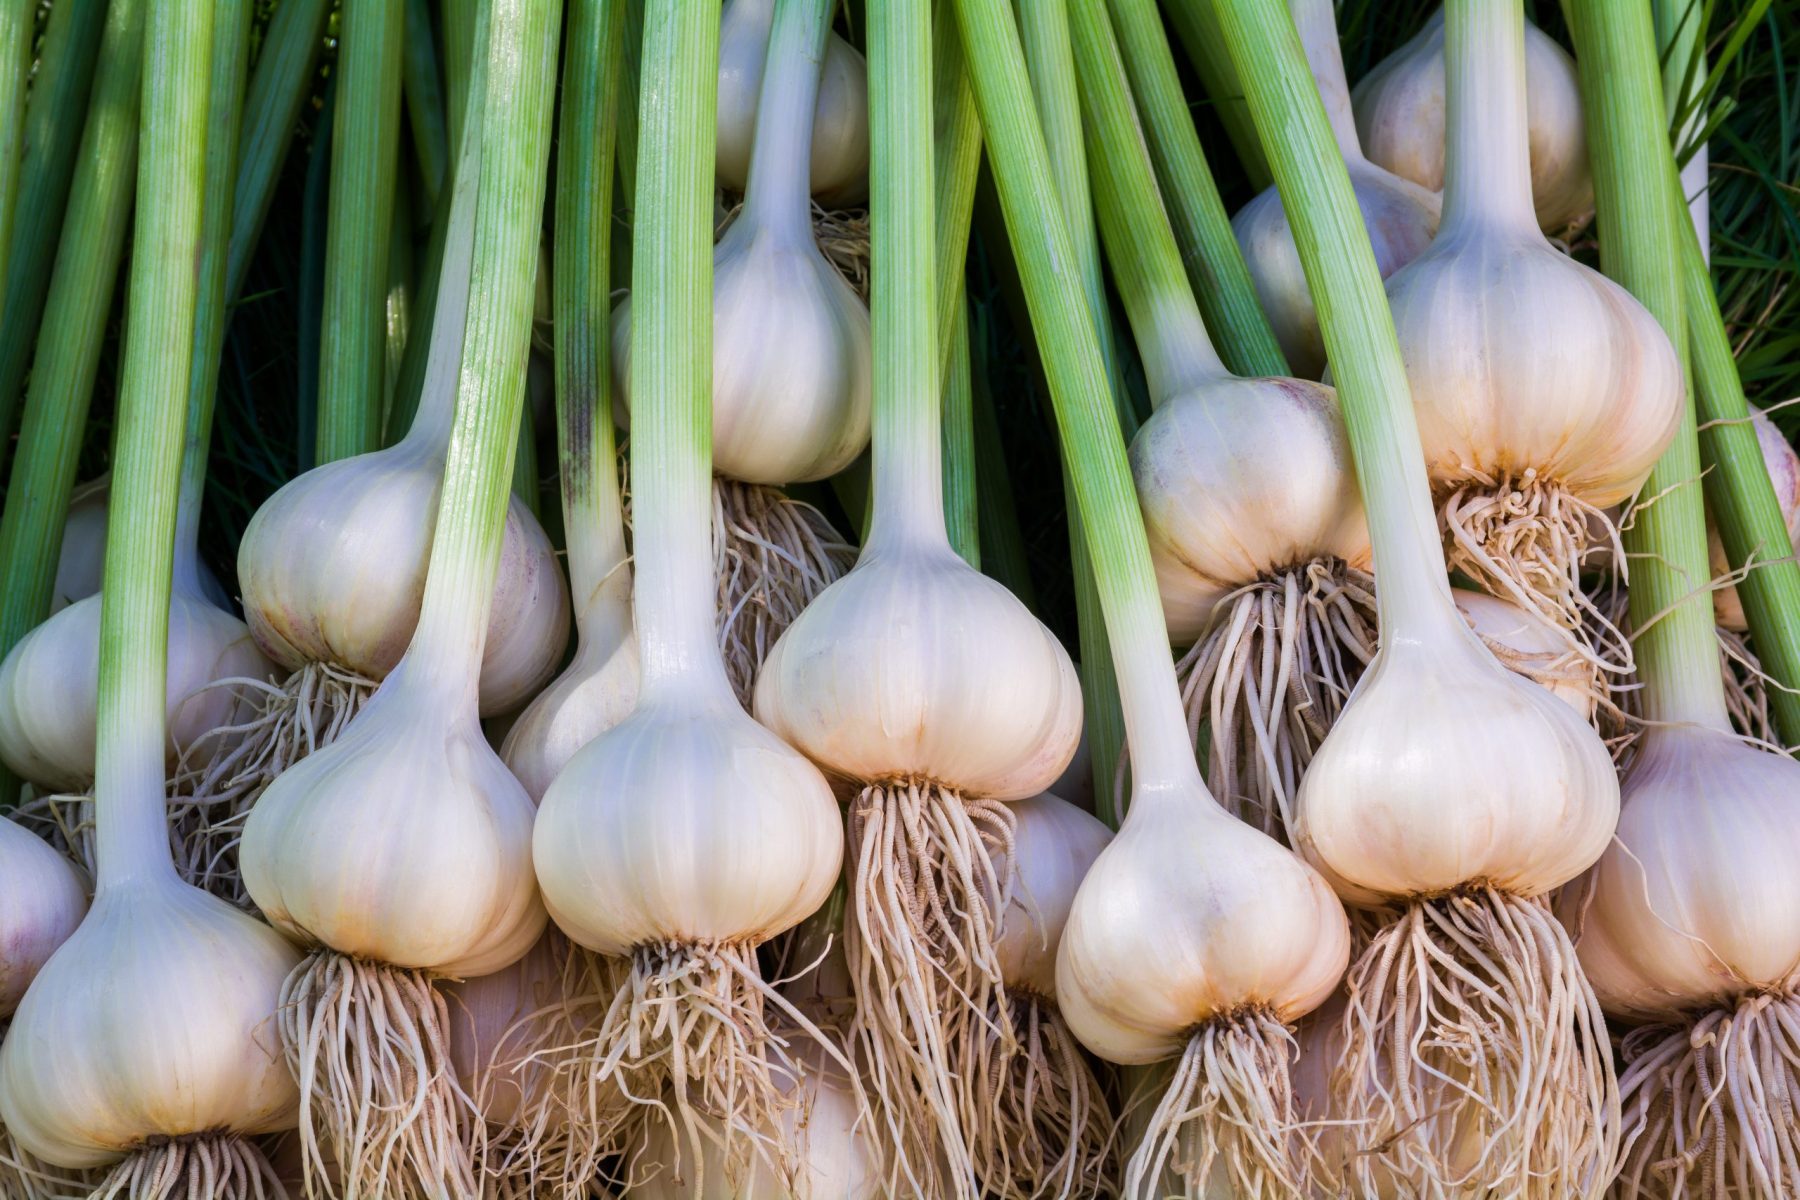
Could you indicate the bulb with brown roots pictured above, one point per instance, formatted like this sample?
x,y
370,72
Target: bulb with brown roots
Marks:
x,y
1038,1121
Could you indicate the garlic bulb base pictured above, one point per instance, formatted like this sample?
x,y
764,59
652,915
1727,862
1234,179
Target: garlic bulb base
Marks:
x,y
381,1107
1544,1120
1235,1063
1731,1072
204,1167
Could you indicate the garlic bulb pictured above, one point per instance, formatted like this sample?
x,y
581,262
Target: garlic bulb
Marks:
x,y
44,900
1543,391
839,164
1399,108
48,682
83,553
821,1120
1528,645
1401,217
790,390
1783,465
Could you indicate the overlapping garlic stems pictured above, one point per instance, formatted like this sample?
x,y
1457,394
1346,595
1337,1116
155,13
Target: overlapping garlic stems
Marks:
x,y
163,1071
1399,216
1399,109
687,834
1544,391
409,802
839,153
1285,939
1387,809
599,686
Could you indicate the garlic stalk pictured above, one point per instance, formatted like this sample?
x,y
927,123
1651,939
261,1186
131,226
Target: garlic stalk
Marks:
x,y
686,835
924,681
839,157
790,368
400,853
332,566
1192,933
1688,930
599,686
1400,120
1255,527
1544,392
1399,217
142,1045
1451,795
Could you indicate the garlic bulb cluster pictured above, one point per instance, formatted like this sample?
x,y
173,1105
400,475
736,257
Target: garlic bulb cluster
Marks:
x,y
1783,465
1399,107
1400,216
48,684
839,161
1544,393
44,900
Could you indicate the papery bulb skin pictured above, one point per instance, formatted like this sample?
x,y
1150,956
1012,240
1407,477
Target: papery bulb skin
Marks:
x,y
1239,479
917,666
42,900
1522,360
406,841
1696,900
840,141
1054,846
82,559
156,1018
791,359
49,687
486,1012
1401,218
1444,768
332,570
1189,915
1528,645
686,821
1399,110
596,691
1783,465
824,1127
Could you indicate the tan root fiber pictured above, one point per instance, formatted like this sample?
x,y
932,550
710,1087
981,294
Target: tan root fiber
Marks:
x,y
1226,1124
925,900
1476,1055
200,1167
1037,1120
24,1176
369,1044
1270,677
771,556
1712,1106
1529,539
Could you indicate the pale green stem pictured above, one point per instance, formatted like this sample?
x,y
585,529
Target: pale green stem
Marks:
x,y
424,89
1197,25
1487,153
961,513
778,195
15,73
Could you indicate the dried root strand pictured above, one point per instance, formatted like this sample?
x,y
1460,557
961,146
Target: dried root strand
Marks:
x,y
369,1045
1476,1056
1712,1105
925,897
1528,539
1226,1123
771,556
1269,679
1037,1120
24,1176
211,1166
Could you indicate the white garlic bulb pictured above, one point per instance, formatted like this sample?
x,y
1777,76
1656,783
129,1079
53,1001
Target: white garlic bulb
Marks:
x,y
42,900
1240,478
49,684
1399,108
406,841
915,665
1783,465
1054,846
83,555
839,168
1528,645
1401,217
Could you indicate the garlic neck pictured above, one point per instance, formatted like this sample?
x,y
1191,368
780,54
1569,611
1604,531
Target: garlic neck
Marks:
x,y
1686,690
1487,150
1178,355
131,831
1319,37
908,470
673,589
780,186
